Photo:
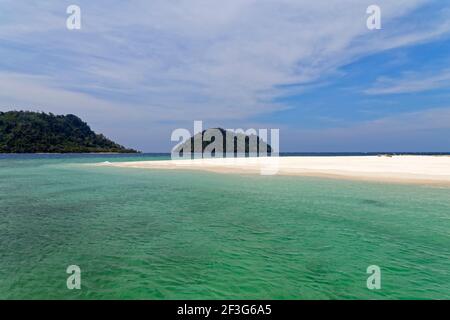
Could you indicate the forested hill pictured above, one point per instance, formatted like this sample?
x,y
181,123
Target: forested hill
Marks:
x,y
34,132
240,143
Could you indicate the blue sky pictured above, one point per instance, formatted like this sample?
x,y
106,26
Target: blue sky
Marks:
x,y
137,70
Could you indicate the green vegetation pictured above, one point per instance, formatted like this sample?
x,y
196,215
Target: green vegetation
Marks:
x,y
33,132
238,144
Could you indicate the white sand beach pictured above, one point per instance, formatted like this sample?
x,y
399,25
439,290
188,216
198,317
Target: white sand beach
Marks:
x,y
402,169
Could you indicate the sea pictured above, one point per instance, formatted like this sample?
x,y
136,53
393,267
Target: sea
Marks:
x,y
162,234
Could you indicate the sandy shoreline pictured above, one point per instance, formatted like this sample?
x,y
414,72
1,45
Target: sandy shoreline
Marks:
x,y
400,169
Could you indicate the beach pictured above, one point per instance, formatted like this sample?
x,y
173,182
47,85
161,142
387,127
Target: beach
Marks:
x,y
400,169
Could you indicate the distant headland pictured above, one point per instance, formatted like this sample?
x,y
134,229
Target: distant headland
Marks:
x,y
38,132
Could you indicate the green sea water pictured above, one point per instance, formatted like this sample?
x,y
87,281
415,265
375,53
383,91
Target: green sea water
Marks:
x,y
155,234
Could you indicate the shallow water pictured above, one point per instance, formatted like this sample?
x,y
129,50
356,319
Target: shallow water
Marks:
x,y
154,234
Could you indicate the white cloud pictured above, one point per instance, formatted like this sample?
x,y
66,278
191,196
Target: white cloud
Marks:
x,y
411,82
221,57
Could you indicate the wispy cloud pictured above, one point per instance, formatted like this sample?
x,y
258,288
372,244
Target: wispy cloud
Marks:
x,y
412,131
220,58
410,83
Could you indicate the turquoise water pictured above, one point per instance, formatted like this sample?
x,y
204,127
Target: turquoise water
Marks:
x,y
143,234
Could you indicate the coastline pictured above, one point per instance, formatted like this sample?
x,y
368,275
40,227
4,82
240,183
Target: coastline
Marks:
x,y
409,169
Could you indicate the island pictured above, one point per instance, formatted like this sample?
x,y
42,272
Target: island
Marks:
x,y
39,132
221,143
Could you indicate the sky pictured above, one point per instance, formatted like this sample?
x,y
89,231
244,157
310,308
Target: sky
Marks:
x,y
139,69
